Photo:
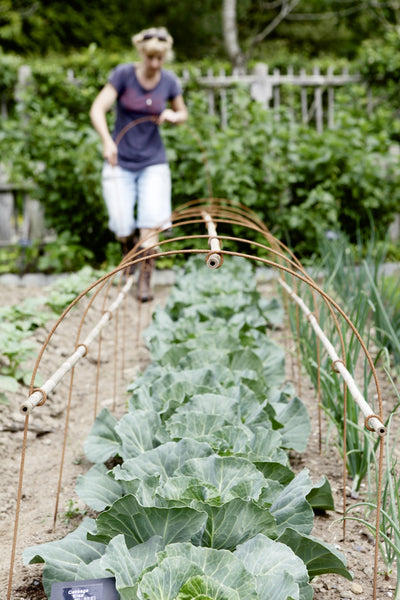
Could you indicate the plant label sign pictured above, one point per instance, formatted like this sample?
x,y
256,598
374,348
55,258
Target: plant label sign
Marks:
x,y
88,589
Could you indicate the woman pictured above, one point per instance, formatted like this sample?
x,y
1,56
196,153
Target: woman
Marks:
x,y
136,173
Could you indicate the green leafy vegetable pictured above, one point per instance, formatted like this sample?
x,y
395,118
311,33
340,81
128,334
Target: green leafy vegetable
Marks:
x,y
204,503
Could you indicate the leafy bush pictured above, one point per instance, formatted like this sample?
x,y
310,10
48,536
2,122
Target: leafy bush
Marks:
x,y
378,62
17,346
63,163
298,181
8,78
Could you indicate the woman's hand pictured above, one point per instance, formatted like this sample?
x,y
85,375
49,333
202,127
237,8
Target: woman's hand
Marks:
x,y
177,114
168,116
110,152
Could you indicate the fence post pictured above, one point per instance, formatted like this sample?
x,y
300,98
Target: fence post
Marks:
x,y
210,95
33,224
291,109
277,93
261,88
318,103
24,81
223,100
33,219
331,101
303,98
6,210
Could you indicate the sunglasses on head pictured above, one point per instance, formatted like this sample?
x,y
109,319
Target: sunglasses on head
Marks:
x,y
160,37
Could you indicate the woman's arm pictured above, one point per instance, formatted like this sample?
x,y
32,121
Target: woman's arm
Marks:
x,y
101,105
176,114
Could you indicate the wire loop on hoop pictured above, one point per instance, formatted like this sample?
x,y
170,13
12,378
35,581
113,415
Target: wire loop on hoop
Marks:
x,y
43,400
312,314
214,260
338,360
367,419
83,346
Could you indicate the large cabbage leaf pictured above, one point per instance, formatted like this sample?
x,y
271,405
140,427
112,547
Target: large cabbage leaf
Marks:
x,y
139,523
180,563
318,556
279,572
103,442
64,557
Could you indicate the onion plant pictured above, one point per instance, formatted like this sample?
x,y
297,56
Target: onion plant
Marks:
x,y
386,300
389,527
352,278
359,442
371,300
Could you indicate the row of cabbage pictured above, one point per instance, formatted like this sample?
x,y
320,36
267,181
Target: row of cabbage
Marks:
x,y
202,501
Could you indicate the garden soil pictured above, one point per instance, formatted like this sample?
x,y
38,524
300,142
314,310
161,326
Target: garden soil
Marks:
x,y
46,433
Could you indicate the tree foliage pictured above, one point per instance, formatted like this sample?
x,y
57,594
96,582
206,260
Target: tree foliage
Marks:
x,y
379,63
55,26
313,27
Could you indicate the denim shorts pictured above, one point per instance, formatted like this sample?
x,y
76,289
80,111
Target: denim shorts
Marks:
x,y
137,199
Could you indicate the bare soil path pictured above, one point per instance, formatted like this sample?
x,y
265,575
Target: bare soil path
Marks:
x,y
45,440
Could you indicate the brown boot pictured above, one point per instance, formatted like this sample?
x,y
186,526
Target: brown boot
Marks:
x,y
145,293
127,243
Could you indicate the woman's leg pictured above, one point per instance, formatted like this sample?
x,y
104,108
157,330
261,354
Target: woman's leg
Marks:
x,y
119,192
154,199
154,211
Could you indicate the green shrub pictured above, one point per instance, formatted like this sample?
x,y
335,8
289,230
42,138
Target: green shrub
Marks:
x,y
298,181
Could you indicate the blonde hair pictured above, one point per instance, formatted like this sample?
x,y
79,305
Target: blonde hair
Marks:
x,y
154,39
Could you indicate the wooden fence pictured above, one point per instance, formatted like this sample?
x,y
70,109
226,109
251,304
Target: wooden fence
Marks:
x,y
316,90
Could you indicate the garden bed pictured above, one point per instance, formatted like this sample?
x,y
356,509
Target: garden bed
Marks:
x,y
44,449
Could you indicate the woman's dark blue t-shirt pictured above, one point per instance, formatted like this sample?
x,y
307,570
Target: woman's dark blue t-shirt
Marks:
x,y
141,145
